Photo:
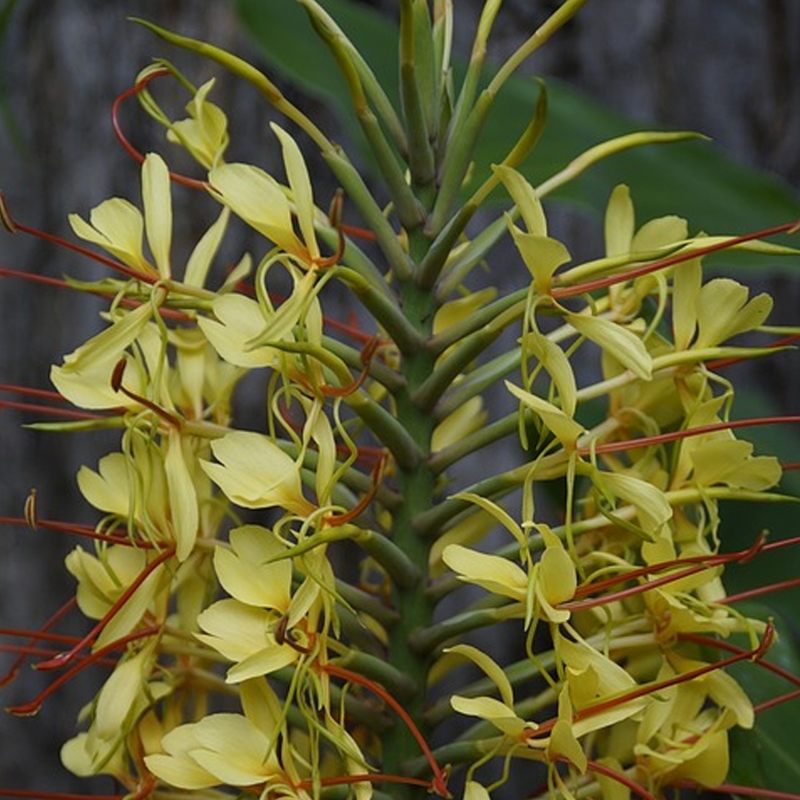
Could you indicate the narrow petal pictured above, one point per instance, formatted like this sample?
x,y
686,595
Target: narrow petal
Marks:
x,y
300,184
157,202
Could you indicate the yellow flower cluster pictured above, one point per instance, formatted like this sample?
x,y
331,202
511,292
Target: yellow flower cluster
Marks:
x,y
276,604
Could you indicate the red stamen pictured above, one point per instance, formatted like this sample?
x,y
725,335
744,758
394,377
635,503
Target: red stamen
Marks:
x,y
26,276
662,438
32,707
36,408
49,394
654,687
86,531
619,777
657,686
746,791
356,232
703,562
76,248
128,302
776,701
727,362
64,658
366,500
366,359
708,641
14,669
116,385
749,594
439,782
367,777
123,140
663,263
35,795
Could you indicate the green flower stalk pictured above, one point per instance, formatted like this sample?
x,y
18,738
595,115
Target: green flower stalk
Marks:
x,y
320,615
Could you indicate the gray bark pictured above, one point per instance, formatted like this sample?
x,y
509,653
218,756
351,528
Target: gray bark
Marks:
x,y
725,67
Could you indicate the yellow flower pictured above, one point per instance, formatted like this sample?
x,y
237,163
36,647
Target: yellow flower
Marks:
x,y
154,489
255,473
550,581
118,226
683,732
205,132
542,254
103,581
219,749
125,696
262,627
262,202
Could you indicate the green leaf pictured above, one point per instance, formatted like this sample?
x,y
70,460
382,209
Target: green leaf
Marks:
x,y
766,757
693,179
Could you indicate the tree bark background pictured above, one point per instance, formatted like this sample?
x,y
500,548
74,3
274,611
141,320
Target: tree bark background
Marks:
x,y
727,68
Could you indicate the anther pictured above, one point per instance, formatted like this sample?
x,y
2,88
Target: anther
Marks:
x,y
5,216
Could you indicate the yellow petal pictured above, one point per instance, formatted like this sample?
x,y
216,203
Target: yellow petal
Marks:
x,y
492,669
238,321
234,629
257,198
525,198
493,573
108,488
652,507
157,202
110,343
555,361
566,429
542,256
616,341
723,311
184,513
619,222
246,574
117,226
499,714
200,260
300,184
658,233
255,473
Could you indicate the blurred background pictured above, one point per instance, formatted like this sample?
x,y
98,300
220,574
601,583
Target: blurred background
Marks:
x,y
726,68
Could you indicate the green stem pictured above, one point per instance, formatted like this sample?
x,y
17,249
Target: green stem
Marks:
x,y
420,152
386,312
483,437
428,640
555,21
465,352
417,485
373,215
